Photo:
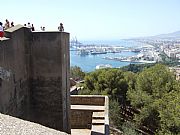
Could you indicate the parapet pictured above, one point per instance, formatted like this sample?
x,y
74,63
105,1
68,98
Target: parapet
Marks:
x,y
16,27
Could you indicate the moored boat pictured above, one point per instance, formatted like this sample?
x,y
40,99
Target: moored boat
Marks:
x,y
100,66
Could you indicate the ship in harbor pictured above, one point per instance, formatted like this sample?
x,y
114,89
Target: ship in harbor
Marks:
x,y
136,50
101,66
83,52
96,52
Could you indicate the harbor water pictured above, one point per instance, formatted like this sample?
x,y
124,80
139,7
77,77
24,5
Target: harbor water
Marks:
x,y
89,62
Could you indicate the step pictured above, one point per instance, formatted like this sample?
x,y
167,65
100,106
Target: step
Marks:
x,y
98,122
98,130
88,107
98,115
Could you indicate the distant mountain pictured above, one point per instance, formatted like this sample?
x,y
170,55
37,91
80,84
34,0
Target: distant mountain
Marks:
x,y
169,35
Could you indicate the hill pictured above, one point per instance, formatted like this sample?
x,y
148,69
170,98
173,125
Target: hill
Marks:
x,y
174,35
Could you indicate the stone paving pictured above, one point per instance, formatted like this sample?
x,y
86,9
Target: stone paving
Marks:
x,y
13,126
80,131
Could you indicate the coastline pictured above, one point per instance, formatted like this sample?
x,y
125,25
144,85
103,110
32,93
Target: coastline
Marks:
x,y
121,49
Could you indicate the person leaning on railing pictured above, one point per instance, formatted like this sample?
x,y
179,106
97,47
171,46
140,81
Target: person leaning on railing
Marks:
x,y
1,30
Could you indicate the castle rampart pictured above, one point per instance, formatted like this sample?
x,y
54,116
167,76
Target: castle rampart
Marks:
x,y
34,76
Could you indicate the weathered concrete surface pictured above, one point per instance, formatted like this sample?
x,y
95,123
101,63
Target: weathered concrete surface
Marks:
x,y
49,79
81,119
14,89
87,100
14,126
34,76
80,131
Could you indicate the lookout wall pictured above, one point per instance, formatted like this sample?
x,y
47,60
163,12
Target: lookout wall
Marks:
x,y
14,88
34,76
49,81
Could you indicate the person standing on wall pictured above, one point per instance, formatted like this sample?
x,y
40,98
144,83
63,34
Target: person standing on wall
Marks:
x,y
6,26
61,27
12,24
1,30
29,25
32,28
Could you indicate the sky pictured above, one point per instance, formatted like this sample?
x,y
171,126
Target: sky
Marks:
x,y
97,19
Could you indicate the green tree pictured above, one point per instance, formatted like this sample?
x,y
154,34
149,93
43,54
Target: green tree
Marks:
x,y
129,128
111,82
114,83
116,119
151,85
169,110
76,73
169,61
137,67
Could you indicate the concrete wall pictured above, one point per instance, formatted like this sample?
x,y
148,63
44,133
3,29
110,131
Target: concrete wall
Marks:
x,y
50,86
81,119
84,109
14,89
87,100
34,76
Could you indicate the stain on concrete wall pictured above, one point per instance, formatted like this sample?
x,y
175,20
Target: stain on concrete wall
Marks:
x,y
4,74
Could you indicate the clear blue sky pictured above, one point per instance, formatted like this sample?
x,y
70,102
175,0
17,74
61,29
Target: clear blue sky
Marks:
x,y
97,19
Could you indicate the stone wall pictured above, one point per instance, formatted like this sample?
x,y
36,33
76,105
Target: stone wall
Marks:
x,y
87,100
34,76
81,115
81,119
50,87
14,89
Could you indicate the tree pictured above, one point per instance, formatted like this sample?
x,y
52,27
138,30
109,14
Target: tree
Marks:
x,y
114,83
151,85
116,120
154,92
135,68
129,128
169,111
169,61
76,73
111,82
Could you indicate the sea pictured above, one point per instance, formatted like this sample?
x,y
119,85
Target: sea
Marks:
x,y
88,63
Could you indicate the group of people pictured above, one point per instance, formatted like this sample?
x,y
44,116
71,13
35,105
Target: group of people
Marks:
x,y
60,28
5,27
31,26
42,28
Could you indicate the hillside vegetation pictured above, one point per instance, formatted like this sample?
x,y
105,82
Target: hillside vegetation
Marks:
x,y
144,102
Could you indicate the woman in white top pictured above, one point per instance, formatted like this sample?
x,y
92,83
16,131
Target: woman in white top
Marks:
x,y
1,30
